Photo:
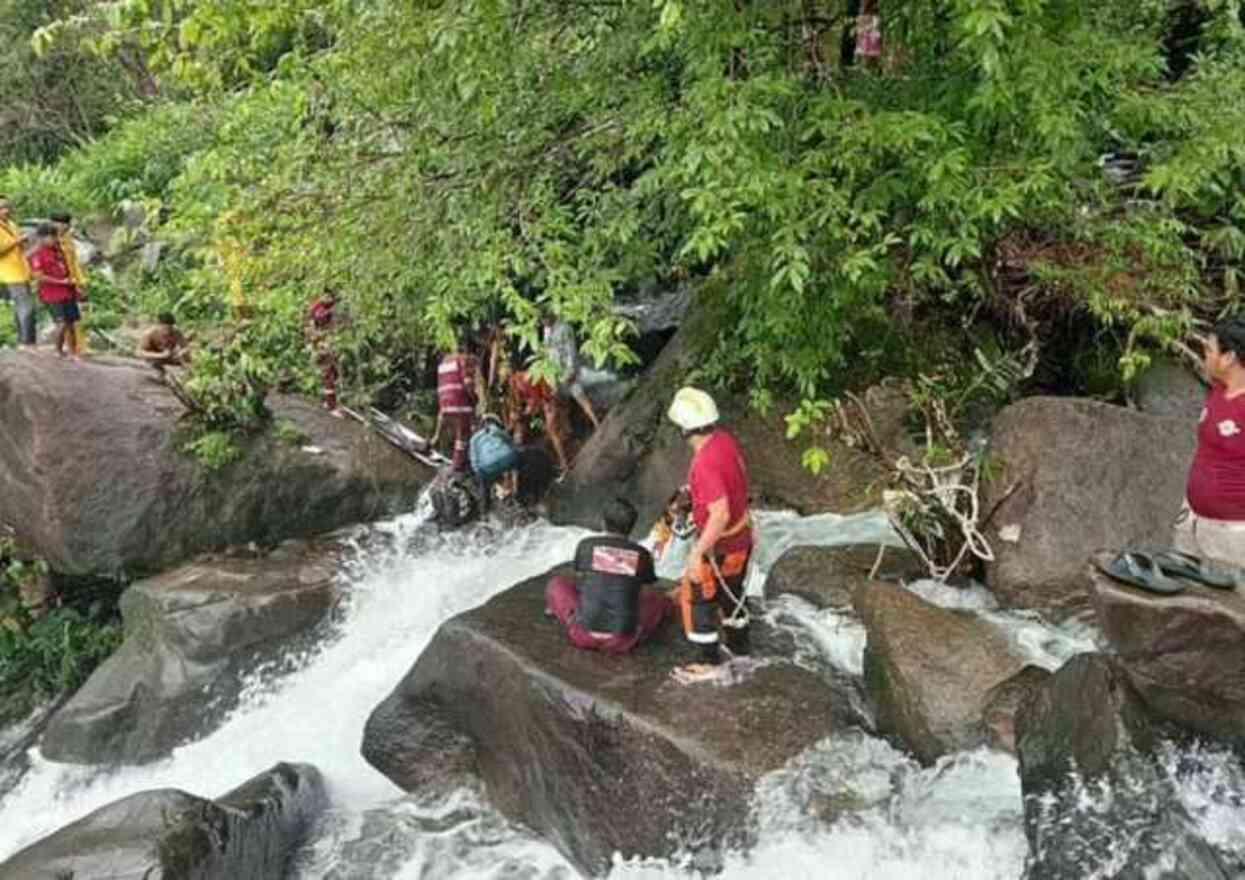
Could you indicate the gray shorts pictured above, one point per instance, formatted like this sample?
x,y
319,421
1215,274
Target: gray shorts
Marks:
x,y
24,313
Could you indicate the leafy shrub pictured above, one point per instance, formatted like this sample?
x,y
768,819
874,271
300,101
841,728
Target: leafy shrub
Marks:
x,y
214,449
289,433
45,653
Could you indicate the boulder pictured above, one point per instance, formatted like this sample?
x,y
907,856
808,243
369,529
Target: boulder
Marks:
x,y
828,577
597,753
1069,477
96,482
929,671
1095,803
248,833
1003,702
1184,655
191,636
638,454
1170,389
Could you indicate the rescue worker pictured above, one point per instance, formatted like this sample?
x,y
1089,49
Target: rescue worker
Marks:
x,y
493,456
456,399
321,323
526,398
711,593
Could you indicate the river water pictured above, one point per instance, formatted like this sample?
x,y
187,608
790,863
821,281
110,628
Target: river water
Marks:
x,y
960,818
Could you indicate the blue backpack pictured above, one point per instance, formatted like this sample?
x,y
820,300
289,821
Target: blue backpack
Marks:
x,y
492,452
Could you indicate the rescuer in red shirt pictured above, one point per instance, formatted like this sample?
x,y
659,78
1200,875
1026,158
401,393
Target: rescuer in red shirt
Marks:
x,y
1212,522
319,328
711,594
456,399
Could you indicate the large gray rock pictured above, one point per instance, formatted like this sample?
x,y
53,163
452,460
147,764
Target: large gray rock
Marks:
x,y
1070,477
246,835
1184,655
597,753
1096,803
638,454
929,671
829,577
1171,390
191,636
96,482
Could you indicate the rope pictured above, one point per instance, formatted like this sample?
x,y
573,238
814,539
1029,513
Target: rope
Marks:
x,y
741,611
947,487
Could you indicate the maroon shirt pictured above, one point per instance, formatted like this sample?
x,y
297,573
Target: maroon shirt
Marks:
x,y
49,262
1216,487
718,471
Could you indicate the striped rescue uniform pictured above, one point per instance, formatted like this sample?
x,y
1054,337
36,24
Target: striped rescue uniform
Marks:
x,y
456,401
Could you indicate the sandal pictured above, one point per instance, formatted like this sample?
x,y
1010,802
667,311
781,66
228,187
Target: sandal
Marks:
x,y
1204,571
1139,570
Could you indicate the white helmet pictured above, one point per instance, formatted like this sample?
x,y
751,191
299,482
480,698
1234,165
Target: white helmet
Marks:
x,y
692,409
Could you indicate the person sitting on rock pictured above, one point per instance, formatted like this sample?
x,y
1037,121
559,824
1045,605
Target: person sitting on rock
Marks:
x,y
711,593
457,383
164,345
1211,524
605,607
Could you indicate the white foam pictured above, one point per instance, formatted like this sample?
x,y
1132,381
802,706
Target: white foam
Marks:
x,y
853,807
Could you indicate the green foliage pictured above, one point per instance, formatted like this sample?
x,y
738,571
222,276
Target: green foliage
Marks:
x,y
55,653
214,449
289,433
49,654
479,161
229,382
61,99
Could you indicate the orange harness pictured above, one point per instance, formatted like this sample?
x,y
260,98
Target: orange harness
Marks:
x,y
718,579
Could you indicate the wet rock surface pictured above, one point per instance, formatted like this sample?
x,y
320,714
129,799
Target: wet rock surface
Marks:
x,y
1096,802
597,753
1070,477
828,577
1184,655
929,671
96,482
248,833
1003,703
191,636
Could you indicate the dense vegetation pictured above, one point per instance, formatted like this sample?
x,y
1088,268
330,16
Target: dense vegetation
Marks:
x,y
47,649
437,161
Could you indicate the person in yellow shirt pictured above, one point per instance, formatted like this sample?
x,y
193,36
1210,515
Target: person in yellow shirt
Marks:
x,y
64,237
15,275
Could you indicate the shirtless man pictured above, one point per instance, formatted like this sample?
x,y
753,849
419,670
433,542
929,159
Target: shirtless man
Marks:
x,y
164,345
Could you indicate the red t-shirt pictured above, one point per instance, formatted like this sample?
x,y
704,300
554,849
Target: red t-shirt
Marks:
x,y
718,471
1216,487
322,313
50,262
532,395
